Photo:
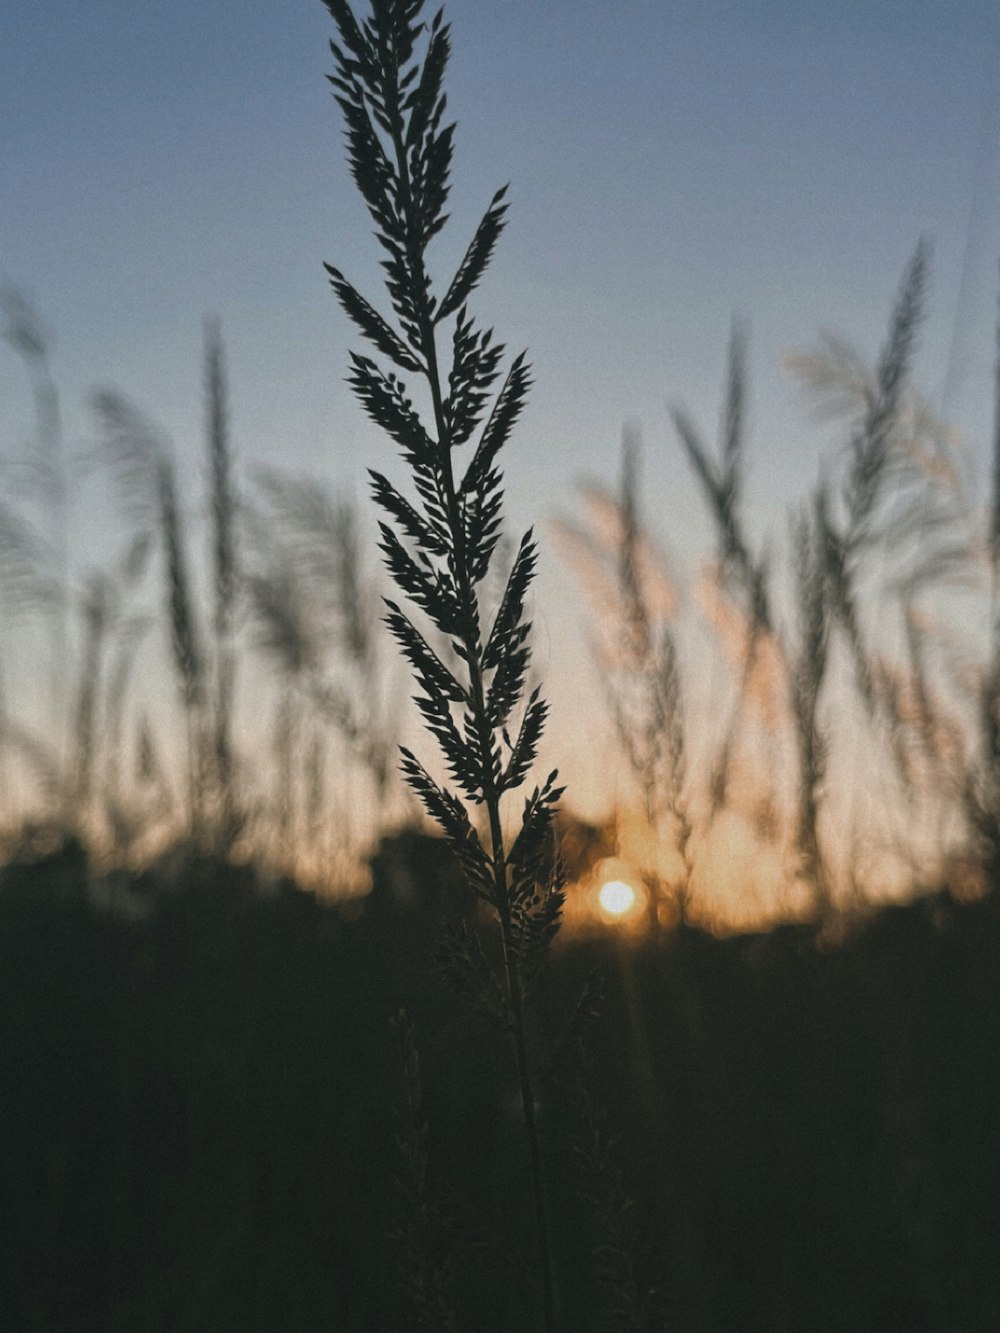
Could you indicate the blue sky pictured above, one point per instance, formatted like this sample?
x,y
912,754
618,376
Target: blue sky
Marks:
x,y
670,164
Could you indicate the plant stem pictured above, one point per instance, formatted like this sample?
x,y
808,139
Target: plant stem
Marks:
x,y
470,637
491,799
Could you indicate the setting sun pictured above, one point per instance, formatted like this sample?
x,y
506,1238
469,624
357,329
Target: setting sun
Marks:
x,y
616,897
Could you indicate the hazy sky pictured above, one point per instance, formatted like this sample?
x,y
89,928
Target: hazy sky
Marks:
x,y
670,164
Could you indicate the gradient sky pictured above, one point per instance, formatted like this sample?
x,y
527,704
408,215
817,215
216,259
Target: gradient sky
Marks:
x,y
670,164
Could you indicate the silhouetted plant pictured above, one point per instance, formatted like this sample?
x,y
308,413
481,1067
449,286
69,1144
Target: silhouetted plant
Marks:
x,y
141,455
886,507
981,786
45,482
648,705
97,612
25,585
123,820
314,538
635,649
808,675
285,630
723,483
225,586
870,466
892,531
400,153
897,511
34,546
741,575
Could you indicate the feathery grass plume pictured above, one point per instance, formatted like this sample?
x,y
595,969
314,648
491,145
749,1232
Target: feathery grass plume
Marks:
x,y
141,457
808,675
871,457
297,625
285,630
640,671
438,550
870,447
27,336
829,583
992,702
225,577
982,780
743,576
25,580
656,744
899,511
112,634
318,537
633,599
594,551
722,483
46,477
835,374
917,496
184,639
34,546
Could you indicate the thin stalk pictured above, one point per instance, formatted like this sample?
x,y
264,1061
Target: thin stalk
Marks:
x,y
223,504
400,157
491,797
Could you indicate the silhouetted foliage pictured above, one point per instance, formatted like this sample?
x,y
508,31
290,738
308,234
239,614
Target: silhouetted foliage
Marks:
x,y
400,153
194,1130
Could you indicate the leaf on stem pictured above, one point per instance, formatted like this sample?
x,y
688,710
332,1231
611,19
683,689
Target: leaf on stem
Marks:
x,y
477,257
371,323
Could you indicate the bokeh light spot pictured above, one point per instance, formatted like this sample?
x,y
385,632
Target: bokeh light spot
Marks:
x,y
616,897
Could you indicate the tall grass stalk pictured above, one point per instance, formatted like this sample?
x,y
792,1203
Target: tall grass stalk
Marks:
x,y
46,481
225,578
184,640
834,537
741,575
982,787
97,613
400,153
635,648
315,537
286,632
722,483
808,676
119,811
145,466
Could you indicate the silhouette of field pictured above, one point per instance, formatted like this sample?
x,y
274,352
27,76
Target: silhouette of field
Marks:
x,y
202,1103
240,1091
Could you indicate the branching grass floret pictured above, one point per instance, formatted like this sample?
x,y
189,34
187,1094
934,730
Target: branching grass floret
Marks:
x,y
438,549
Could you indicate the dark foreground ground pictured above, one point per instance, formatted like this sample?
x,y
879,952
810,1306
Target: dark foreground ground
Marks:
x,y
199,1114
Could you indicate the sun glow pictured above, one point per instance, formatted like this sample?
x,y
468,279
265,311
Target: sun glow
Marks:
x,y
616,897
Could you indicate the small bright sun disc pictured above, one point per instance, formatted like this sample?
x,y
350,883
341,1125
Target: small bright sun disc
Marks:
x,y
616,897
